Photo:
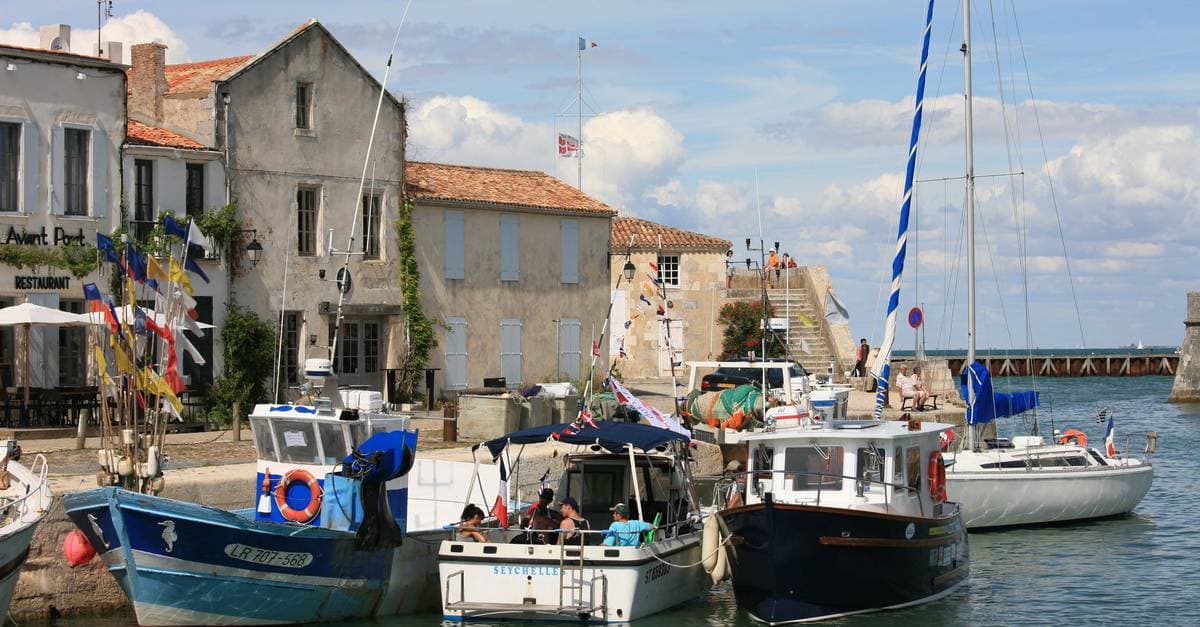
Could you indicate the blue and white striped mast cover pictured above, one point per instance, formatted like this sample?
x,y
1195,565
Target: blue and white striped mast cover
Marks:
x,y
882,367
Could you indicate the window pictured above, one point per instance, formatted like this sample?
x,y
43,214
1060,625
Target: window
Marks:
x,y
298,441
333,442
200,376
143,199
304,105
814,468
306,222
913,461
289,359
898,467
568,235
10,158
668,270
72,360
372,218
6,349
194,200
870,467
455,266
510,263
348,349
370,347
262,438
76,170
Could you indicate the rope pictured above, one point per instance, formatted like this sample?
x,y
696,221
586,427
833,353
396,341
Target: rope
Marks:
x,y
720,546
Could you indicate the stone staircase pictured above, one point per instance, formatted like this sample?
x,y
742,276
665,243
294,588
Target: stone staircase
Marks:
x,y
807,340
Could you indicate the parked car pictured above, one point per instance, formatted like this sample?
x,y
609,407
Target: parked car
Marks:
x,y
729,376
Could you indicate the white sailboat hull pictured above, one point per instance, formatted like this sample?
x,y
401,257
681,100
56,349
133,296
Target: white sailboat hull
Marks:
x,y
1008,497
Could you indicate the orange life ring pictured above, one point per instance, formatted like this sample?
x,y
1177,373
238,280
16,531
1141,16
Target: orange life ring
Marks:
x,y
1078,436
314,496
937,477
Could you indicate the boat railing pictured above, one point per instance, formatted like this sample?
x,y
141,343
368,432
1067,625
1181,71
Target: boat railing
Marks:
x,y
40,490
817,482
593,537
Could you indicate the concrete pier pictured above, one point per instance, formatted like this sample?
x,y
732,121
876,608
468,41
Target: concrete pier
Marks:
x,y
1187,375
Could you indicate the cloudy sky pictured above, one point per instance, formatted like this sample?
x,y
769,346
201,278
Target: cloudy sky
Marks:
x,y
693,98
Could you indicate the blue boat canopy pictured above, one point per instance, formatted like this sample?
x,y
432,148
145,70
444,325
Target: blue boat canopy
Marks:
x,y
990,405
611,435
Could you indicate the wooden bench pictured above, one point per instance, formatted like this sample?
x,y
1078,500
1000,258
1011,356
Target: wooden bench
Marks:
x,y
907,403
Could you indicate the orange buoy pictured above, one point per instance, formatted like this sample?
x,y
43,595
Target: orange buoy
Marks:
x,y
1073,436
314,496
77,549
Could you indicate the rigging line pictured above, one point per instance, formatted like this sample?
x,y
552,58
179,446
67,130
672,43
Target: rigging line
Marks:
x,y
1062,238
987,244
928,129
945,254
362,181
951,299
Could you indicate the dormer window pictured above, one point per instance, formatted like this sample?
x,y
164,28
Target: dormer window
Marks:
x,y
304,105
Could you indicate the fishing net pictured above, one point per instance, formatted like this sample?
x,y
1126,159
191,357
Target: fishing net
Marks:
x,y
737,408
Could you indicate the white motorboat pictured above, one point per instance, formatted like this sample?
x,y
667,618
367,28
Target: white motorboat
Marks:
x,y
25,500
635,464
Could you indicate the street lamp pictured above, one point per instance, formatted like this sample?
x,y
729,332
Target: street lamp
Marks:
x,y
254,248
629,270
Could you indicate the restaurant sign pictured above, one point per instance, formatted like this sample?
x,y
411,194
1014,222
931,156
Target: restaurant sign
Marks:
x,y
43,282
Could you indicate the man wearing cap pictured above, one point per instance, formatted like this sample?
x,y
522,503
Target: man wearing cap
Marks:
x,y
571,521
772,270
540,517
622,531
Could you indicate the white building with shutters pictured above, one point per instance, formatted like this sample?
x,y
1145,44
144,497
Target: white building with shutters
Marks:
x,y
514,265
62,123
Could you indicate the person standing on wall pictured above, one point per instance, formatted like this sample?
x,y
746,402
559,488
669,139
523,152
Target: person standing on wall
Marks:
x,y
772,270
729,268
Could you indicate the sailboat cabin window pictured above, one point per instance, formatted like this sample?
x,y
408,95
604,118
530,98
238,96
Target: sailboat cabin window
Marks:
x,y
913,461
812,467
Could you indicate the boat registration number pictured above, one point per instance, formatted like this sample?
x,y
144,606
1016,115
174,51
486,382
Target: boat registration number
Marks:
x,y
268,557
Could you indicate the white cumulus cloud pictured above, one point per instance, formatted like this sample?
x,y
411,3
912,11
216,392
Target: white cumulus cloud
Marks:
x,y
134,28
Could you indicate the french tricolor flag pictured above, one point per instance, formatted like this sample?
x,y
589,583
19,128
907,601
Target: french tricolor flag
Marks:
x,y
1109,449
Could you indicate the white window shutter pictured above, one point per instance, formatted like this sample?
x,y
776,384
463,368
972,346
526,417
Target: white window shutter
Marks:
x,y
31,159
511,358
618,316
100,173
58,165
569,246
569,355
510,248
455,245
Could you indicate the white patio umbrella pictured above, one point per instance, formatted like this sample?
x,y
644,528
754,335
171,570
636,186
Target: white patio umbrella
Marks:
x,y
29,315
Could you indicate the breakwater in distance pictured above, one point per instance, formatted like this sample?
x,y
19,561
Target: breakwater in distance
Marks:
x,y
1067,362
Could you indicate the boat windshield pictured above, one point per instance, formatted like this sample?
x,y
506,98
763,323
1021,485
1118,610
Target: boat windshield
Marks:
x,y
814,468
262,439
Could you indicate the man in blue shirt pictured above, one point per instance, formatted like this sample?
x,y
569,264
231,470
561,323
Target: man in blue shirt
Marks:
x,y
622,531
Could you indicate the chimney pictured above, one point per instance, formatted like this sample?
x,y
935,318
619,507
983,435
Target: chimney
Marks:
x,y
148,80
55,37
110,50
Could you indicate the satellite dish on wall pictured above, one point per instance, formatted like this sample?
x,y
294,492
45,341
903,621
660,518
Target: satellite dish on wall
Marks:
x,y
56,43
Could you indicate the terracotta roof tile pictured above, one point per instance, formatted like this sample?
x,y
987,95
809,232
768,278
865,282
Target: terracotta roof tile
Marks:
x,y
184,78
645,236
143,135
519,188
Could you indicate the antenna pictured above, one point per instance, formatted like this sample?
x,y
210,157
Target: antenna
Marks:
x,y
103,12
345,271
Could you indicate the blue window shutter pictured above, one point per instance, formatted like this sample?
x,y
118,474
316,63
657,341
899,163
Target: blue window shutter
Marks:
x,y
569,353
456,353
569,236
511,357
31,159
58,165
510,248
100,173
455,245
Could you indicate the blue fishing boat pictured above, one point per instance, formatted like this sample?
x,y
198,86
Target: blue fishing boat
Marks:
x,y
325,542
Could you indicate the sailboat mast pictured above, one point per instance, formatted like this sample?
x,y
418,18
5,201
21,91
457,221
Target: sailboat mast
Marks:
x,y
970,148
579,117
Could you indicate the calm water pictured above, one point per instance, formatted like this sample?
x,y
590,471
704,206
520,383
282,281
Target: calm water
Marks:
x,y
1144,568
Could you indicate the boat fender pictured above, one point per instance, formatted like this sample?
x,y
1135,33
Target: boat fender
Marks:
x,y
722,568
153,467
1073,436
709,543
314,496
77,549
937,477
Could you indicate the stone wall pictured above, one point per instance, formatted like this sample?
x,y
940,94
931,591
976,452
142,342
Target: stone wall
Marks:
x,y
1187,375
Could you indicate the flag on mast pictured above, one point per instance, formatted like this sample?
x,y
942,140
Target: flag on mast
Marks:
x,y
585,44
568,146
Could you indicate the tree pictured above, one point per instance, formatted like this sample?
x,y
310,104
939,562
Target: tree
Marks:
x,y
744,330
248,345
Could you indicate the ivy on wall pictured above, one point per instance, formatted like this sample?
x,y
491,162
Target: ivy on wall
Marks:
x,y
421,336
79,260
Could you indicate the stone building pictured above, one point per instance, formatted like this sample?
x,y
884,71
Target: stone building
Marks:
x,y
292,124
692,268
514,265
62,122
165,171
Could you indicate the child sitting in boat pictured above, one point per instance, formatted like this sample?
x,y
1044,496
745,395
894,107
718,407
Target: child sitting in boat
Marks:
x,y
622,531
468,529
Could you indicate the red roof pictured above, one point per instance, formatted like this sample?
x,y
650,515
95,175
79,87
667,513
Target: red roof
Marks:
x,y
141,135
646,233
518,188
184,78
